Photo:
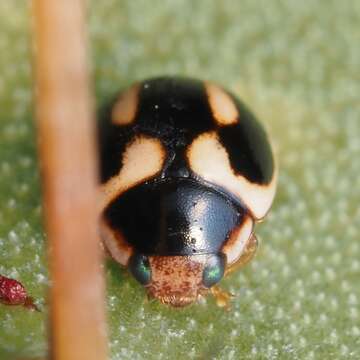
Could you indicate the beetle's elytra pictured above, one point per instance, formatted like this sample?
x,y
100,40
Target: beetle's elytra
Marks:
x,y
186,172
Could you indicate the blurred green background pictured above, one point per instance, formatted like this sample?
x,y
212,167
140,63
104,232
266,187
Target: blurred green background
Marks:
x,y
296,64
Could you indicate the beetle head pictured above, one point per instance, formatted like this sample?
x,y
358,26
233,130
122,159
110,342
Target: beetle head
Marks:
x,y
178,280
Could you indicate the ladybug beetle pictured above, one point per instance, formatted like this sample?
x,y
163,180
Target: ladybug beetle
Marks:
x,y
186,172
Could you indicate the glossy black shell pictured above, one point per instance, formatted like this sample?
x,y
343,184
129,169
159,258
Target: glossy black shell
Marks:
x,y
159,216
175,216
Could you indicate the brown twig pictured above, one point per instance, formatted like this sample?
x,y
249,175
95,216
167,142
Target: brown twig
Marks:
x,y
68,158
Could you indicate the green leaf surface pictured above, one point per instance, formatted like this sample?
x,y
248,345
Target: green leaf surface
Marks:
x,y
296,64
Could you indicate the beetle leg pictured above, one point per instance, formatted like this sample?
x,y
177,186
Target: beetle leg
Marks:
x,y
247,255
222,297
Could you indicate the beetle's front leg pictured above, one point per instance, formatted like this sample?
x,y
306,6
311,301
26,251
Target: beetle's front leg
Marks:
x,y
222,297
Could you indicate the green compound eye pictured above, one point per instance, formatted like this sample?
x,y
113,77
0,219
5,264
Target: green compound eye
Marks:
x,y
214,270
139,266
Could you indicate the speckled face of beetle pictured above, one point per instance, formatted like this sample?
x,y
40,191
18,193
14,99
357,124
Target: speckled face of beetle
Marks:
x,y
186,172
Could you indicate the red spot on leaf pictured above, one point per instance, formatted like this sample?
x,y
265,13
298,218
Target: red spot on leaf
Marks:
x,y
12,292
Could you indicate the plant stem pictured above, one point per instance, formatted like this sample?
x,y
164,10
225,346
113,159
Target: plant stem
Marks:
x,y
66,130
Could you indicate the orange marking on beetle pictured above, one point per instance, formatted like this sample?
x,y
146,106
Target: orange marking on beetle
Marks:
x,y
209,159
238,239
222,106
143,158
124,109
115,243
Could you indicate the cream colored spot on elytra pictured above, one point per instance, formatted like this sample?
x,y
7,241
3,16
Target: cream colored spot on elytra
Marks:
x,y
124,109
234,248
209,159
221,104
143,158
